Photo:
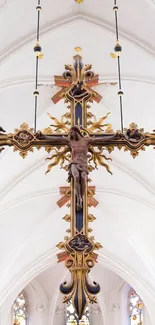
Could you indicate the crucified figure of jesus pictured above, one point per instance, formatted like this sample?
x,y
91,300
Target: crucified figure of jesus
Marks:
x,y
78,168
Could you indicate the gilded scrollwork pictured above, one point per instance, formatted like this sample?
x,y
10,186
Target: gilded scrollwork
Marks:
x,y
77,82
79,262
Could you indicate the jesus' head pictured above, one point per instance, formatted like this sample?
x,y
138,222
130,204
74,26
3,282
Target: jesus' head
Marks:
x,y
74,133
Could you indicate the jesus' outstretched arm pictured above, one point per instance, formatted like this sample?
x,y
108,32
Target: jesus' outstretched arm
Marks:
x,y
104,139
52,139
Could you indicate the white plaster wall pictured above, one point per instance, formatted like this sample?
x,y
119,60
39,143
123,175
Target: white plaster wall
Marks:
x,y
118,308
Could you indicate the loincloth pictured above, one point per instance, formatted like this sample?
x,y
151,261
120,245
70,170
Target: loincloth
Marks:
x,y
81,168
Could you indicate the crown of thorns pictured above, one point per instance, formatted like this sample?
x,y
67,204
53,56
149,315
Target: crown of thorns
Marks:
x,y
75,129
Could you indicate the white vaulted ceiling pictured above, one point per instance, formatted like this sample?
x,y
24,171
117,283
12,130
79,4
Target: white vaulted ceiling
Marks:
x,y
30,221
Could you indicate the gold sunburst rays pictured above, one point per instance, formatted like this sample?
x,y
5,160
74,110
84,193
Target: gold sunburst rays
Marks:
x,y
97,158
60,125
97,125
60,157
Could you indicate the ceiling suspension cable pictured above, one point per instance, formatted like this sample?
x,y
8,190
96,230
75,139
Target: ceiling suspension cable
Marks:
x,y
118,50
37,50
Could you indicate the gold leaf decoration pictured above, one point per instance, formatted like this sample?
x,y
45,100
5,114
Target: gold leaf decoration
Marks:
x,y
91,218
109,129
68,205
119,147
90,115
90,168
67,116
48,131
91,192
78,48
113,55
59,126
67,218
92,238
98,125
48,149
24,126
87,67
59,157
22,139
110,149
69,67
79,263
98,158
61,245
135,153
98,246
38,147
23,154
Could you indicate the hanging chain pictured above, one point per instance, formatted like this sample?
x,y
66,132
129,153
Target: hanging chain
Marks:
x,y
37,50
118,50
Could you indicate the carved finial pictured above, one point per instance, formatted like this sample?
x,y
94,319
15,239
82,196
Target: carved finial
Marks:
x,y
61,245
77,49
67,217
91,218
79,1
98,246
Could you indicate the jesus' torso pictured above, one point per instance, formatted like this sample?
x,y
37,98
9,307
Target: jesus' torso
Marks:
x,y
79,151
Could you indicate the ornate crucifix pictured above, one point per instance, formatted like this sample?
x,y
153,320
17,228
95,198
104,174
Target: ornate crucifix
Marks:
x,y
78,139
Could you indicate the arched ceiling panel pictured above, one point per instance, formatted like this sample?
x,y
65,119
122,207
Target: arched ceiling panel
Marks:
x,y
29,217
58,48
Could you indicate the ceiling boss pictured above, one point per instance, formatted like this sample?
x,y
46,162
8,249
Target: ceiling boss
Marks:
x,y
77,142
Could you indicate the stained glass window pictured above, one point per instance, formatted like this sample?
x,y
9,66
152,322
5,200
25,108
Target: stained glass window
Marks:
x,y
20,310
135,309
72,318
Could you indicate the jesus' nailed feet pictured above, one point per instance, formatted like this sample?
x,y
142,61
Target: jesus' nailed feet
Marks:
x,y
79,203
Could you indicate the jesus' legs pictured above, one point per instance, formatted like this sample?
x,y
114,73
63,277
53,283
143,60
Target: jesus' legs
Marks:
x,y
77,179
83,183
